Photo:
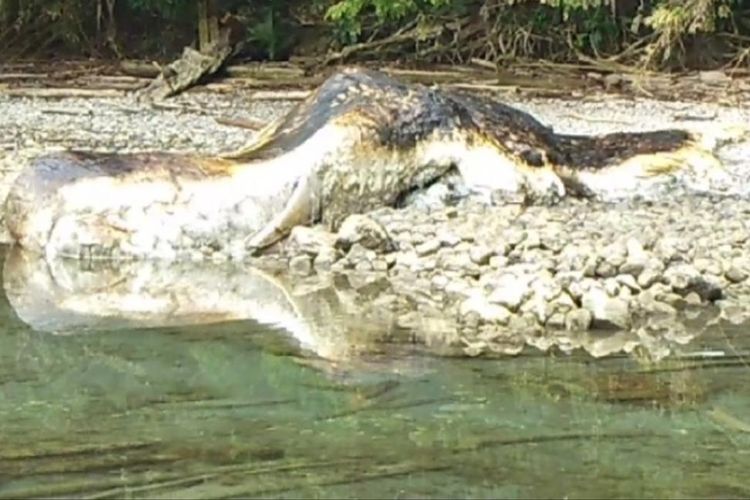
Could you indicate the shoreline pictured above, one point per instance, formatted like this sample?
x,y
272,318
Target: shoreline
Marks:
x,y
487,271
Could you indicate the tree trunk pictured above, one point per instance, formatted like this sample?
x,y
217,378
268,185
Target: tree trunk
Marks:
x,y
208,24
9,10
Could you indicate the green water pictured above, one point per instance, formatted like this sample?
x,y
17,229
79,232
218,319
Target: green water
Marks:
x,y
236,409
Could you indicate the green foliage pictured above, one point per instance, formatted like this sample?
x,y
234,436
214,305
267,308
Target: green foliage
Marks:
x,y
269,30
349,16
489,29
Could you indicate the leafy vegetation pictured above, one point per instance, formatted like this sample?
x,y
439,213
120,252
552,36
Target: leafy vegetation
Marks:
x,y
657,33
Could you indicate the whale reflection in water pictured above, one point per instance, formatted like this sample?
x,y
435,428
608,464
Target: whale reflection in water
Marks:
x,y
339,322
63,296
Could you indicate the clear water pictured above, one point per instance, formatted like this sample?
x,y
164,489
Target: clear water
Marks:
x,y
236,409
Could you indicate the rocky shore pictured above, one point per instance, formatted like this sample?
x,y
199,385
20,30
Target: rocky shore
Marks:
x,y
491,277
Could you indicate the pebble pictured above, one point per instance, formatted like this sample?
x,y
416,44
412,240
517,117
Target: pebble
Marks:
x,y
735,274
428,247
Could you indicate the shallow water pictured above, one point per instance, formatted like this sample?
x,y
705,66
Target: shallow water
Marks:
x,y
232,408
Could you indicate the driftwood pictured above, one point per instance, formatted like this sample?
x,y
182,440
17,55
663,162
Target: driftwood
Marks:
x,y
189,69
279,95
249,124
59,93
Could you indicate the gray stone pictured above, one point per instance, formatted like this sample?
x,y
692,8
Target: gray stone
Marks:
x,y
612,287
480,254
556,321
514,236
684,278
485,311
510,291
458,262
428,247
735,273
532,240
310,240
670,249
590,267
301,265
439,282
633,267
358,255
498,261
448,238
458,289
537,308
648,302
325,259
736,314
628,281
578,320
605,269
363,230
648,277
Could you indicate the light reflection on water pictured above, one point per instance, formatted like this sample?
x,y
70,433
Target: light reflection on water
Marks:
x,y
150,407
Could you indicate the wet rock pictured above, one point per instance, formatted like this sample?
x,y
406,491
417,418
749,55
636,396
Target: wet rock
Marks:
x,y
607,312
734,313
684,278
648,303
365,231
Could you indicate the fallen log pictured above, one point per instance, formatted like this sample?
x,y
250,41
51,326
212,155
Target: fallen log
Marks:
x,y
61,92
189,69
